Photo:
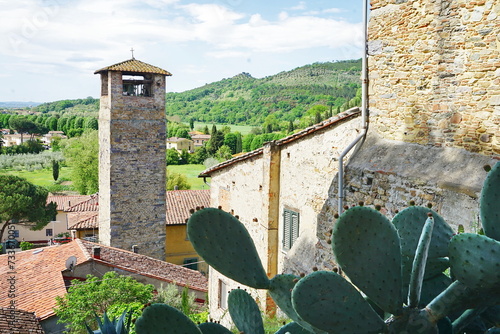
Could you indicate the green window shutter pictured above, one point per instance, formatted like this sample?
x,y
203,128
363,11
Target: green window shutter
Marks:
x,y
287,221
294,228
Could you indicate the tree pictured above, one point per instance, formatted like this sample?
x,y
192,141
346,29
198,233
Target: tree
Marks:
x,y
24,203
199,155
224,153
82,154
96,295
22,125
176,181
173,157
230,140
55,169
191,123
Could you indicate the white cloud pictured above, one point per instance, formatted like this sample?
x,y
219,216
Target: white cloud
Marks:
x,y
300,6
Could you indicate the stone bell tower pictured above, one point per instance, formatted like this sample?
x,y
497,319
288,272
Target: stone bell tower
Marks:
x,y
132,166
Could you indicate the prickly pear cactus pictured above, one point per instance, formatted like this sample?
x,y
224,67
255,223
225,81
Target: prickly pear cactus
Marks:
x,y
162,318
366,245
225,244
213,328
245,312
490,203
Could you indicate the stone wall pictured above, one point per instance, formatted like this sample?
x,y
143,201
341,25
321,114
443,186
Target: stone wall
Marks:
x,y
132,168
434,72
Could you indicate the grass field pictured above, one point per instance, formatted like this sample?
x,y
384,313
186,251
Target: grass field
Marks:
x,y
43,177
191,172
243,129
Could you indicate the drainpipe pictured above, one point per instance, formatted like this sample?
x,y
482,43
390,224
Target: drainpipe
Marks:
x,y
364,109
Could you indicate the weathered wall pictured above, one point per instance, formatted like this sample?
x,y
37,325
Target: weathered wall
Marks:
x,y
132,168
178,247
434,72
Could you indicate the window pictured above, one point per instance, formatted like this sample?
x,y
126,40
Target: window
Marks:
x,y
16,234
290,228
222,295
48,232
191,263
136,85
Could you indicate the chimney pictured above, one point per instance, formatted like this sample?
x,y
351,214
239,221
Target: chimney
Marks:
x,y
96,252
135,249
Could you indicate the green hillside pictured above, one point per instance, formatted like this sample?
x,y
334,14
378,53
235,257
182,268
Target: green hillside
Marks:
x,y
244,99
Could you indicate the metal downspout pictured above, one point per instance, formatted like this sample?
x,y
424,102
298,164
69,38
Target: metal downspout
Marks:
x,y
364,110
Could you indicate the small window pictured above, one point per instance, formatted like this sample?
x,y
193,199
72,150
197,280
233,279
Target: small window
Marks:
x,y
48,232
191,263
136,85
222,295
16,234
290,228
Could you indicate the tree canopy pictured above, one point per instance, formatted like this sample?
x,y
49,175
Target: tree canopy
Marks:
x,y
96,295
23,202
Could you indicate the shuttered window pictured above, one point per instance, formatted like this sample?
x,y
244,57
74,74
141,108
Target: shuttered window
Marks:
x,y
290,228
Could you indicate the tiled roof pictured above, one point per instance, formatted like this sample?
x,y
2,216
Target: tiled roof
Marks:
x,y
176,139
179,202
134,66
19,322
86,222
64,202
38,277
91,204
148,266
200,136
335,120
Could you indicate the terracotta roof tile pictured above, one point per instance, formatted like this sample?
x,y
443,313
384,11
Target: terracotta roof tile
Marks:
x,y
176,139
179,202
134,66
38,277
148,266
91,204
64,202
86,222
19,322
346,115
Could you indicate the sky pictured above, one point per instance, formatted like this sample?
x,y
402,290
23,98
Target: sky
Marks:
x,y
50,49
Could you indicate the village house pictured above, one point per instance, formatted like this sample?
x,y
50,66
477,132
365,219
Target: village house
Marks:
x,y
178,249
43,274
60,225
46,139
180,144
199,139
432,106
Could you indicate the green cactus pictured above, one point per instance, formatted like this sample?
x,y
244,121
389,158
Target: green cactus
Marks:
x,y
115,326
213,328
292,328
163,319
490,203
245,312
364,241
225,244
328,302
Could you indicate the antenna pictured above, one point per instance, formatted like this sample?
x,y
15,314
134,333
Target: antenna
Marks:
x,y
70,263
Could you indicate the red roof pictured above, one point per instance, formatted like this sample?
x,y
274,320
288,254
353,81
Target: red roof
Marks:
x,y
179,202
64,202
86,222
91,204
19,322
39,278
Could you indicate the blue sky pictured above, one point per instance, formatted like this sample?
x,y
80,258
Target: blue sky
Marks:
x,y
49,49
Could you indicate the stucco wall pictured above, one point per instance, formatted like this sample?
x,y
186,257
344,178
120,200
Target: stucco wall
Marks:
x,y
178,248
434,72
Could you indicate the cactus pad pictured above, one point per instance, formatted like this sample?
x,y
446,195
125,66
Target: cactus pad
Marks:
x,y
409,223
245,312
475,261
225,244
433,267
163,319
328,302
367,248
292,328
281,292
213,328
490,203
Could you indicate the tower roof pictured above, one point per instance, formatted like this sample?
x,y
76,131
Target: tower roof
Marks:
x,y
134,66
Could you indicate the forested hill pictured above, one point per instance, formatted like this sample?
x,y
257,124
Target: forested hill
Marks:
x,y
288,95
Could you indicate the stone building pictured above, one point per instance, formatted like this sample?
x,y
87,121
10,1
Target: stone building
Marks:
x,y
434,115
132,172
